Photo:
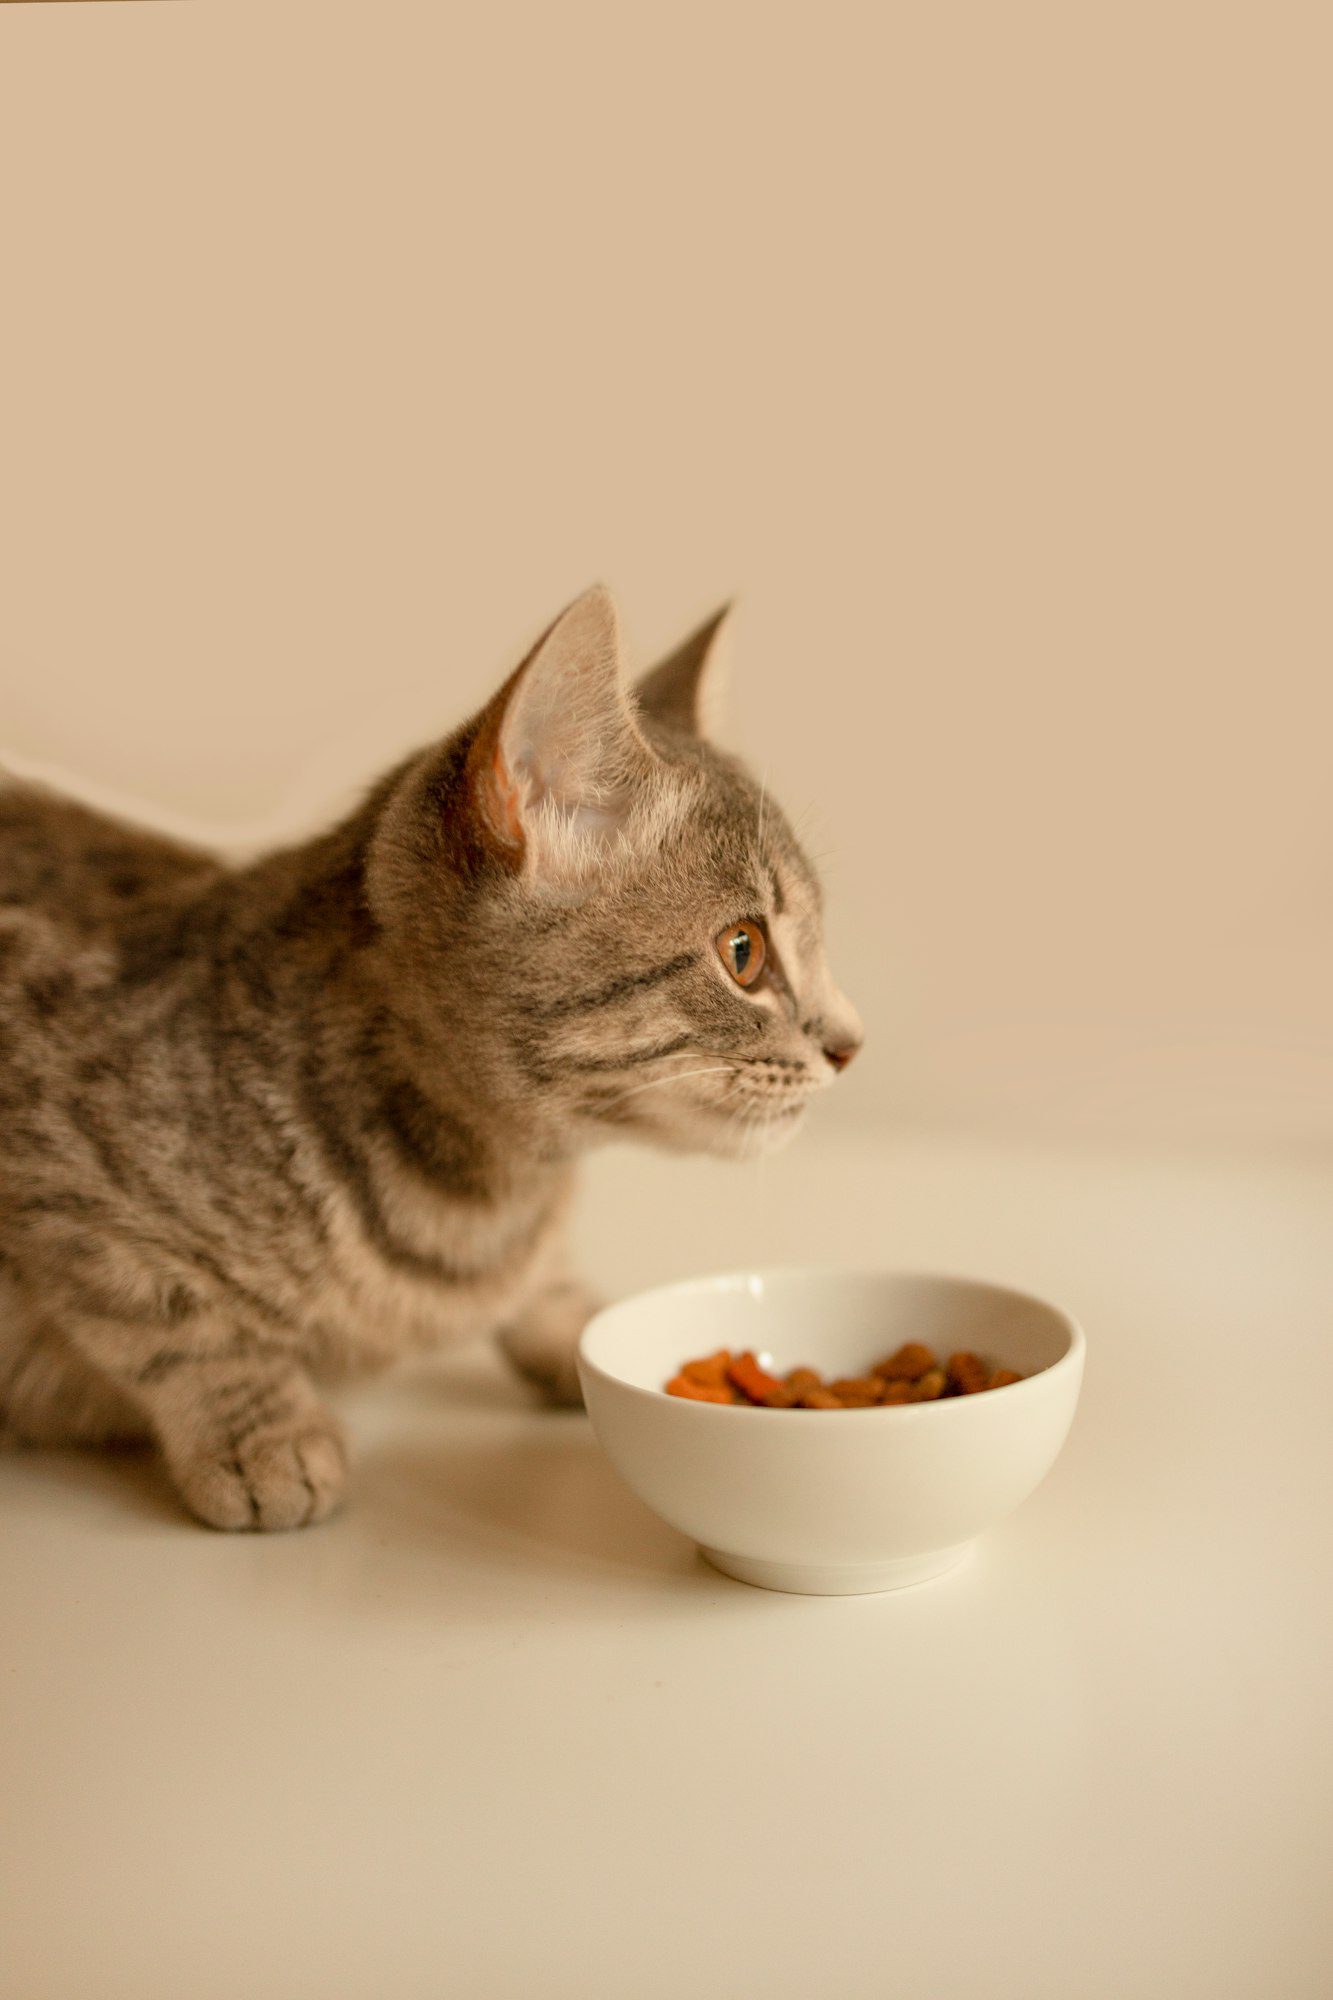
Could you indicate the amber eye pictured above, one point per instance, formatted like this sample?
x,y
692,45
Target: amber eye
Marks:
x,y
742,949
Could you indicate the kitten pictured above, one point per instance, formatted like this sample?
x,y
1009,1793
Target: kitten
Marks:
x,y
274,1124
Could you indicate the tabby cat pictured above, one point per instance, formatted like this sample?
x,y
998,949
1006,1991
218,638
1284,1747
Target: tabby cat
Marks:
x,y
273,1124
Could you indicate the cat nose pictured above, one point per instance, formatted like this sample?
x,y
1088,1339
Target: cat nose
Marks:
x,y
837,1029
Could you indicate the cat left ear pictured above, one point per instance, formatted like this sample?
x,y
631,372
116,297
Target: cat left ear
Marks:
x,y
559,744
683,689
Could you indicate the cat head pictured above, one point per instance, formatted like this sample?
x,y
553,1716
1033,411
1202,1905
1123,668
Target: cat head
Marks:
x,y
598,915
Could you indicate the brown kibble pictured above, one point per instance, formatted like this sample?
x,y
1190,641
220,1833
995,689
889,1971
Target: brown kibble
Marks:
x,y
912,1375
782,1396
909,1364
967,1373
699,1392
855,1389
753,1381
711,1371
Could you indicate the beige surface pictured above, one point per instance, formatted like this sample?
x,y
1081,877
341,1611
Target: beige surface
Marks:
x,y
982,350
498,1733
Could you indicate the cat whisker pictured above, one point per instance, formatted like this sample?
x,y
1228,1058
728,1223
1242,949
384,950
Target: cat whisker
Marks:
x,y
672,1076
731,1091
755,1122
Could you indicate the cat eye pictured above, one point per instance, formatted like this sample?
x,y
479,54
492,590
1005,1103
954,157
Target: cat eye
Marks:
x,y
742,949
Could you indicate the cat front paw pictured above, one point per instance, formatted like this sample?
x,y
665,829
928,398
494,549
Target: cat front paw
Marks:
x,y
278,1480
542,1345
554,1376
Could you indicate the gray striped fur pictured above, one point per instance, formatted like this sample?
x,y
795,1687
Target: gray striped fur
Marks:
x,y
275,1125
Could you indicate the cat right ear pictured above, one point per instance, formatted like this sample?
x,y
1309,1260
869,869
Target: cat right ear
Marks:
x,y
683,690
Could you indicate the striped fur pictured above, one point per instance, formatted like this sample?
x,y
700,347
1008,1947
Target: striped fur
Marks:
x,y
274,1125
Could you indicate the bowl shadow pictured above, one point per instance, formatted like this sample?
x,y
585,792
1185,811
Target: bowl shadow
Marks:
x,y
547,1492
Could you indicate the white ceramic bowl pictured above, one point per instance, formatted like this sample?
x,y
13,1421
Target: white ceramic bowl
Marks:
x,y
831,1501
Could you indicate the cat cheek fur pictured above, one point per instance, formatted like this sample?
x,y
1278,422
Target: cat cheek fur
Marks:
x,y
275,1124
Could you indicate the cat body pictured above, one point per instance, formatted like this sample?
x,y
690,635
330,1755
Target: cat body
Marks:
x,y
272,1126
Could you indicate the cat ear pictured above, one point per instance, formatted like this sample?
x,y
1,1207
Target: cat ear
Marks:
x,y
683,689
558,747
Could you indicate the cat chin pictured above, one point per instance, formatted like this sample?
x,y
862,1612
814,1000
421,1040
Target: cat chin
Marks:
x,y
769,1136
723,1133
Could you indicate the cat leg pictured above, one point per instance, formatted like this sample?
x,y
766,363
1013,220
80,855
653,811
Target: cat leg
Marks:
x,y
247,1440
249,1444
541,1340
51,1395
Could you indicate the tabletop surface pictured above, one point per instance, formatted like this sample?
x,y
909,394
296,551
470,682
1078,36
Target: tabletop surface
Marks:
x,y
496,1731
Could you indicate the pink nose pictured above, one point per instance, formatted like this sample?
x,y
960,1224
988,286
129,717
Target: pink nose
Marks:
x,y
840,1057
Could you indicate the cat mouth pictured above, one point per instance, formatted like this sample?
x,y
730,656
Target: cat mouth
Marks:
x,y
756,1094
765,1110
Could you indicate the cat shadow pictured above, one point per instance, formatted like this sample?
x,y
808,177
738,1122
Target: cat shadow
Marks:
x,y
513,1498
115,1480
526,1498
473,1390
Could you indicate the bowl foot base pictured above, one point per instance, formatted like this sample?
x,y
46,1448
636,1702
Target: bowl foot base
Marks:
x,y
836,1580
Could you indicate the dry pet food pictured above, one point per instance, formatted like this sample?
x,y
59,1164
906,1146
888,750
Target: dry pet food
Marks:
x,y
913,1374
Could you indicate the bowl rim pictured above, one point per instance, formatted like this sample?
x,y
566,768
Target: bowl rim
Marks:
x,y
1069,1362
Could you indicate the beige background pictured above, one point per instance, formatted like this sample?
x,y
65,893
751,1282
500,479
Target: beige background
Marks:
x,y
983,351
